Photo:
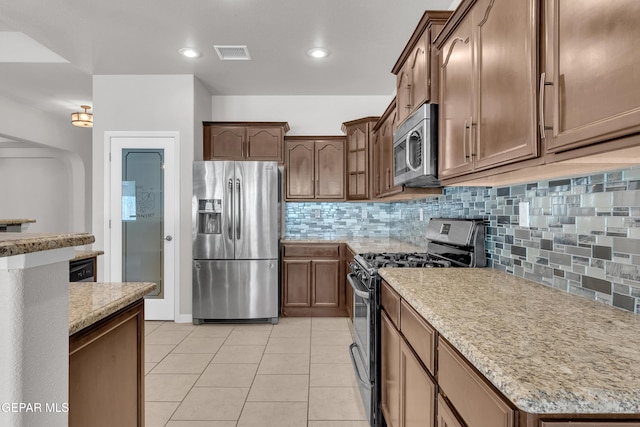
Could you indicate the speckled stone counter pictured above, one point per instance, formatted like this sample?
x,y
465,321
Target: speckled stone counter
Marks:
x,y
18,221
25,243
86,255
547,351
360,244
91,302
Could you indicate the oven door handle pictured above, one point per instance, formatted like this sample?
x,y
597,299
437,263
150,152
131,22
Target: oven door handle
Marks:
x,y
362,294
364,383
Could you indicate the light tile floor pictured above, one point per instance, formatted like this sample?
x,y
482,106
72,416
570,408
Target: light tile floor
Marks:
x,y
293,374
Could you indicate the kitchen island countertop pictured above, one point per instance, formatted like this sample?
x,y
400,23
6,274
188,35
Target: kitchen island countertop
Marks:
x,y
359,244
91,302
547,351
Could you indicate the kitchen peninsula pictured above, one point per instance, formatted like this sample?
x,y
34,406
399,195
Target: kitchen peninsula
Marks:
x,y
43,318
531,354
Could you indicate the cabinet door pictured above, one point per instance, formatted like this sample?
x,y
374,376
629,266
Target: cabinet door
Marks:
x,y
386,163
296,290
329,169
417,65
358,161
418,391
224,143
300,174
456,97
264,143
376,159
593,62
403,93
326,283
390,378
446,417
504,123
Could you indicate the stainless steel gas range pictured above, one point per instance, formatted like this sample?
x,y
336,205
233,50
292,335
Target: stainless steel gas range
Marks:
x,y
451,243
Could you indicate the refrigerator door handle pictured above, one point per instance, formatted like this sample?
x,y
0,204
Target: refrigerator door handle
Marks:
x,y
238,209
230,208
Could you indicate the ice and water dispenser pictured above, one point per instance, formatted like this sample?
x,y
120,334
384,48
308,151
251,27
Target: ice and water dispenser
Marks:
x,y
210,216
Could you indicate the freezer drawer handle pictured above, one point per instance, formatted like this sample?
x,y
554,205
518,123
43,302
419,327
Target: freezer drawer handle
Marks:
x,y
364,383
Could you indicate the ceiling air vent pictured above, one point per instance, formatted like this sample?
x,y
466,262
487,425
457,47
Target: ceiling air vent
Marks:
x,y
232,53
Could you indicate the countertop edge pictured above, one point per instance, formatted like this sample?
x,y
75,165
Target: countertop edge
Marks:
x,y
92,316
24,243
86,254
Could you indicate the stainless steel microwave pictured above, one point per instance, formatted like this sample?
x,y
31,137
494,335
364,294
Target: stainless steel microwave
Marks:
x,y
415,148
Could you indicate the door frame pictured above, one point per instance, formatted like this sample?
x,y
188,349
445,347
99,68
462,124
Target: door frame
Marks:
x,y
174,136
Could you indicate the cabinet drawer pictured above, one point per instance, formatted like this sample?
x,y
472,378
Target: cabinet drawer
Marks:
x,y
587,424
391,303
474,399
329,251
420,335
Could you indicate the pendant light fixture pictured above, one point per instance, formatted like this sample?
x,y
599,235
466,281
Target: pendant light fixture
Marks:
x,y
82,119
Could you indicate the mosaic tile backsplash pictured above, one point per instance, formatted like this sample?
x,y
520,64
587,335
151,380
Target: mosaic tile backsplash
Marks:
x,y
583,238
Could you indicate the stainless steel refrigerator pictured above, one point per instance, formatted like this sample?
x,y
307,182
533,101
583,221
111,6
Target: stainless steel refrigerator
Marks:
x,y
235,241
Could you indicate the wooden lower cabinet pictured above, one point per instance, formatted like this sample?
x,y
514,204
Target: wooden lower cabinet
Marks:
x,y
417,391
446,417
313,280
408,393
106,371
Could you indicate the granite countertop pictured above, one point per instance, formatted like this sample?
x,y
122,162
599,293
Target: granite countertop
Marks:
x,y
18,221
24,243
86,254
91,302
547,351
360,244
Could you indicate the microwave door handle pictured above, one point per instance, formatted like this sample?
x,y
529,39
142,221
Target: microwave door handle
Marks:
x,y
406,151
230,208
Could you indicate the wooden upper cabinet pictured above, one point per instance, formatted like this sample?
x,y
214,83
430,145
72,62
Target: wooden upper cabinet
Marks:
x,y
315,168
592,68
244,141
358,157
488,60
416,77
456,91
382,163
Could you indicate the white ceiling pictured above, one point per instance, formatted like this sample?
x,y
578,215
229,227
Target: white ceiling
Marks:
x,y
99,37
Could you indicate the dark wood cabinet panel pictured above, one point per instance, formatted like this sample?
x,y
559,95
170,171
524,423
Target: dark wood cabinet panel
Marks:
x,y
299,161
106,371
446,417
359,140
315,168
326,283
313,280
296,276
244,141
418,391
390,372
488,60
224,143
420,335
592,64
264,143
416,75
473,399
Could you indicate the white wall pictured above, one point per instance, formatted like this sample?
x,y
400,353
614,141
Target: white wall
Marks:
x,y
148,103
202,106
307,115
36,141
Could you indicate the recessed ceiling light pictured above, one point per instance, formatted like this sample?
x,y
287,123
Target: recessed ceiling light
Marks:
x,y
189,52
318,52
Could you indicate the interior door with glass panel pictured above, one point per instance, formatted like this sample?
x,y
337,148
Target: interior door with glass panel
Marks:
x,y
142,218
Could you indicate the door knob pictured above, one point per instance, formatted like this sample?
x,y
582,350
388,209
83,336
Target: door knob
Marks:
x,y
168,238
